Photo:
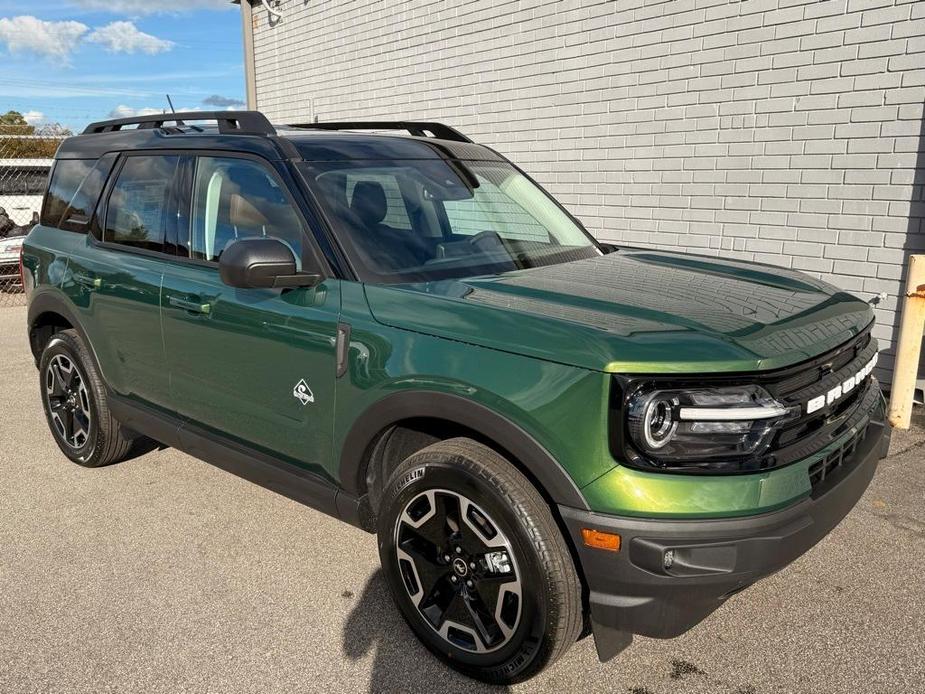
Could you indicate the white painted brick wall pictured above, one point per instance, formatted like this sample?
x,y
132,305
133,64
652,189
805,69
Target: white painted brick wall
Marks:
x,y
782,131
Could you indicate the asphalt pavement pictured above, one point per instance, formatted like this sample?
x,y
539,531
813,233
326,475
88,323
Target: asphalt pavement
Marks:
x,y
165,574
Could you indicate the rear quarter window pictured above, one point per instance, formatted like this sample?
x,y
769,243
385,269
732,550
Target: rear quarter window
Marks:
x,y
73,192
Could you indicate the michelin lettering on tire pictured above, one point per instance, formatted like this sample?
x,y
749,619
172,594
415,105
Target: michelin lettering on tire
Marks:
x,y
413,476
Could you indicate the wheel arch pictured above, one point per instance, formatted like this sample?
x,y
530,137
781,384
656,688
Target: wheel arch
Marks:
x,y
432,413
49,313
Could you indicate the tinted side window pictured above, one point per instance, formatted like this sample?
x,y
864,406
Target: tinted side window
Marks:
x,y
238,198
137,213
80,209
66,179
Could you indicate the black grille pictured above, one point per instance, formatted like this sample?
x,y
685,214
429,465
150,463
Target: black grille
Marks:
x,y
811,432
836,461
826,371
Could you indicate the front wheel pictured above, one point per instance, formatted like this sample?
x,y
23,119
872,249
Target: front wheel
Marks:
x,y
476,563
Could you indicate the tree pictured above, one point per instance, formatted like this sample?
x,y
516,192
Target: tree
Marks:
x,y
20,140
14,118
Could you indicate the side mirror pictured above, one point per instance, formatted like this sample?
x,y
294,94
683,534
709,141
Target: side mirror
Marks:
x,y
262,263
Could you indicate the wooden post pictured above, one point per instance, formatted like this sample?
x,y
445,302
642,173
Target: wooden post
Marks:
x,y
908,350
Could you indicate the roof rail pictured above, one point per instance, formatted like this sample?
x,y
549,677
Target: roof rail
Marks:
x,y
229,122
416,128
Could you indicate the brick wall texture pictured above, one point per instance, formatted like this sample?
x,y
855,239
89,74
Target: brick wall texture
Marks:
x,y
787,132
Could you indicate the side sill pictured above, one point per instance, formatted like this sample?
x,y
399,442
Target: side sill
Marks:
x,y
267,471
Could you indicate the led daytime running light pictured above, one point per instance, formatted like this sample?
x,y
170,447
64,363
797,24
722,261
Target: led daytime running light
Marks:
x,y
731,414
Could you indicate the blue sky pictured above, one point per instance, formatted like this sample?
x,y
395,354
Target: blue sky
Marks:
x,y
76,61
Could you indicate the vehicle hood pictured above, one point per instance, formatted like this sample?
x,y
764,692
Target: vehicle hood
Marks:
x,y
635,312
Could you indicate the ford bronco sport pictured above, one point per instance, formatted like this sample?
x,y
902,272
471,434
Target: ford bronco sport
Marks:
x,y
551,437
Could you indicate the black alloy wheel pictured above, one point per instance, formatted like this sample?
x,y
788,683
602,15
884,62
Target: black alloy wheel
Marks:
x,y
476,563
459,570
68,401
76,404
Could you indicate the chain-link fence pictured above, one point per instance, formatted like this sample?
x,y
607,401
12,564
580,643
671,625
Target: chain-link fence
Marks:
x,y
26,155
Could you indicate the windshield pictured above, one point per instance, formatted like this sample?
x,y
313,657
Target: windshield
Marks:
x,y
428,219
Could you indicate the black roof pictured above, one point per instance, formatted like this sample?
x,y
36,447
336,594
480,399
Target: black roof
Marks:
x,y
250,131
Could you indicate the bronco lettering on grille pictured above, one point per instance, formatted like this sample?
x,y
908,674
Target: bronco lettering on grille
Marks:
x,y
842,388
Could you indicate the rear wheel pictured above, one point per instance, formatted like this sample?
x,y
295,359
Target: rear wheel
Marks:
x,y
476,563
75,404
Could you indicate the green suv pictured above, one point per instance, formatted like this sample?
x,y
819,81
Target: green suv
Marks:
x,y
552,437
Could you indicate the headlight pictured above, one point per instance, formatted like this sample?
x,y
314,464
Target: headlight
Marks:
x,y
703,424
653,420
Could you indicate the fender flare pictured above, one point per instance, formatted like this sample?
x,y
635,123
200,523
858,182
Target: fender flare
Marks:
x,y
49,301
54,302
391,409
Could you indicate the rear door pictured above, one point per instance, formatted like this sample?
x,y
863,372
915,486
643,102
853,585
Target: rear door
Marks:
x,y
114,277
254,365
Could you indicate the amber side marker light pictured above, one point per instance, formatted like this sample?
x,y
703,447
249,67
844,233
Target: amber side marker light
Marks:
x,y
599,540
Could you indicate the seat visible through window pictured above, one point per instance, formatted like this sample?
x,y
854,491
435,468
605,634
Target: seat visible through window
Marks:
x,y
368,203
370,207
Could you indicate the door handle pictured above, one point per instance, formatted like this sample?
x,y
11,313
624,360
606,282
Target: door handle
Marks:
x,y
191,306
87,281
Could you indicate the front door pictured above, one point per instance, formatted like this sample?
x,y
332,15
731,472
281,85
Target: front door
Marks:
x,y
255,365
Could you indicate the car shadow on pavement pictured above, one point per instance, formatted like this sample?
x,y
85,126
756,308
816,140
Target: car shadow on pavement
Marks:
x,y
142,446
401,663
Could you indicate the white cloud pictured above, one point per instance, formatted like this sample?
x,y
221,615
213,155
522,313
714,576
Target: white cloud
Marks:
x,y
124,37
29,34
226,102
59,39
138,7
34,117
123,111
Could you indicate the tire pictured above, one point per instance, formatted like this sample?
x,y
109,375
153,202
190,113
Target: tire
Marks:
x,y
458,512
75,404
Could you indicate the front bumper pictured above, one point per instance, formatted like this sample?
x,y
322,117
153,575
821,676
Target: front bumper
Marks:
x,y
632,591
